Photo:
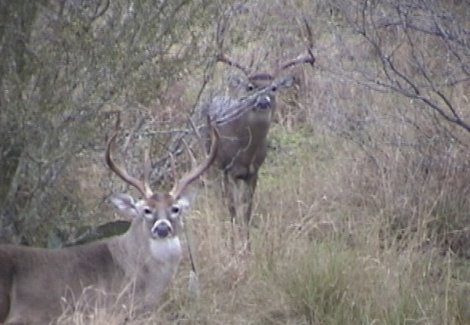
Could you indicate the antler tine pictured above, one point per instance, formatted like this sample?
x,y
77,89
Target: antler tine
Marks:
x,y
147,172
223,26
122,173
310,59
173,166
224,59
308,30
190,177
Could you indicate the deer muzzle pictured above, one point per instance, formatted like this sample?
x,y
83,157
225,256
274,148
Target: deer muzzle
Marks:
x,y
264,102
162,229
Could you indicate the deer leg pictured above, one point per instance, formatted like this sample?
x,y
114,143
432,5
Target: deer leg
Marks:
x,y
4,305
229,194
239,196
250,192
240,204
6,280
247,203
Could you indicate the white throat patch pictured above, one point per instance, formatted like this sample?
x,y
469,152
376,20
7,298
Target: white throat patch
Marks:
x,y
166,250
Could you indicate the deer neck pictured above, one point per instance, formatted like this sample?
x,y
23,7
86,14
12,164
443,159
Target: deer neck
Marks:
x,y
137,253
258,123
260,118
148,265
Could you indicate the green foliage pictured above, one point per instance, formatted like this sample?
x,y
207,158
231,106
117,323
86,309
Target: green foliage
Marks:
x,y
63,69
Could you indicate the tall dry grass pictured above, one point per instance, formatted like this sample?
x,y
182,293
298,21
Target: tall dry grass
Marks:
x,y
322,253
323,250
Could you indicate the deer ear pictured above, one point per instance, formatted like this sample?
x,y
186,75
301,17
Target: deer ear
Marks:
x,y
235,81
126,204
287,82
186,198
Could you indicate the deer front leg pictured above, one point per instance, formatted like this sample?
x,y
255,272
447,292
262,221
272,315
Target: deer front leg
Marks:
x,y
247,199
246,190
238,193
4,304
237,197
229,194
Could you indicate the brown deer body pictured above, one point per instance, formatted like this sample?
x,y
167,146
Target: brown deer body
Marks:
x,y
132,269
37,284
243,120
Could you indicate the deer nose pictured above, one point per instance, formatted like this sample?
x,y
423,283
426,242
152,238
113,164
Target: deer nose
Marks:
x,y
162,229
263,102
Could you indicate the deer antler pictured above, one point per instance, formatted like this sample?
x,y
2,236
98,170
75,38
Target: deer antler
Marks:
x,y
187,179
147,171
222,27
142,186
224,59
310,59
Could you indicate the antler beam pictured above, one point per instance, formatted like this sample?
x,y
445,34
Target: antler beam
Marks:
x,y
187,179
142,186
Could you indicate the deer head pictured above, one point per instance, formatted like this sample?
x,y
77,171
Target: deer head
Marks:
x,y
159,211
253,81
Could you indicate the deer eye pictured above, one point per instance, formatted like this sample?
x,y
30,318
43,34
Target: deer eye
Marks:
x,y
250,87
175,209
147,211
